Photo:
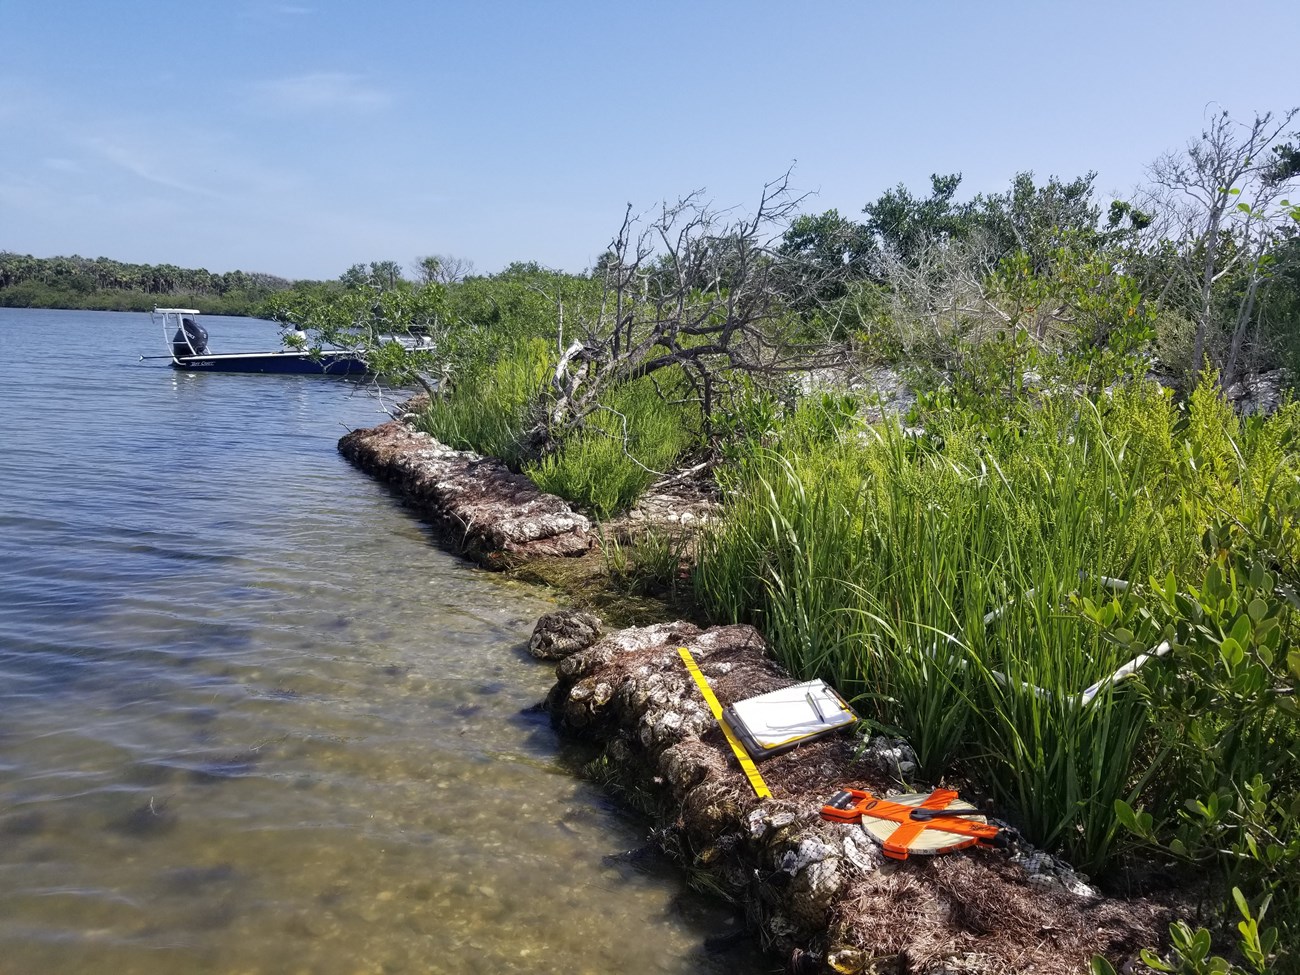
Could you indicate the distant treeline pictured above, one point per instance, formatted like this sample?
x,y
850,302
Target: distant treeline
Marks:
x,y
107,285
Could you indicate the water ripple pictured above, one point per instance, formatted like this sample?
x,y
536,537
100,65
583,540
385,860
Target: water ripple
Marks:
x,y
250,720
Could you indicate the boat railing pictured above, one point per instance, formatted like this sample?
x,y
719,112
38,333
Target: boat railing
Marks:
x,y
173,328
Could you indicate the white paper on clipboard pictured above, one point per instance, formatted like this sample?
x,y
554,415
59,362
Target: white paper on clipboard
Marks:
x,y
784,717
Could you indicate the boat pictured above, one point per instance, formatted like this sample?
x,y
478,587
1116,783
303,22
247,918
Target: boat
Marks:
x,y
189,350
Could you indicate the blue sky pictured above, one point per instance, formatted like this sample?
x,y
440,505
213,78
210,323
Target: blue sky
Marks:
x,y
298,137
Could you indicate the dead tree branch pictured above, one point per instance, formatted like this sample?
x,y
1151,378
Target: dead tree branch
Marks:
x,y
701,294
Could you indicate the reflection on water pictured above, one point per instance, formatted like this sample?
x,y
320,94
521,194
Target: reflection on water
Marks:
x,y
252,721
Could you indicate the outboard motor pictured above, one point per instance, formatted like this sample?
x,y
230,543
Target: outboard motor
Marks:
x,y
190,339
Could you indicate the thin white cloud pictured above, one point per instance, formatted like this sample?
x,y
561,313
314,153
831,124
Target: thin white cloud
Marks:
x,y
62,165
144,166
319,91
270,11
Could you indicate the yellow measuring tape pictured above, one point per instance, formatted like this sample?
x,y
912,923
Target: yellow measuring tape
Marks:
x,y
746,763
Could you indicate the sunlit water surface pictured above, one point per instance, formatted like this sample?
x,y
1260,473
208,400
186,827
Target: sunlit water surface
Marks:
x,y
252,720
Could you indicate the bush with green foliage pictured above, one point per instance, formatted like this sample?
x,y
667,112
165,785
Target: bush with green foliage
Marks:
x,y
1189,950
1224,711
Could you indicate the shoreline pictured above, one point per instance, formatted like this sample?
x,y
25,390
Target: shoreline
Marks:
x,y
819,894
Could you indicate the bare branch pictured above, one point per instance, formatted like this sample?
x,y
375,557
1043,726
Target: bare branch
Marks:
x,y
694,292
1217,202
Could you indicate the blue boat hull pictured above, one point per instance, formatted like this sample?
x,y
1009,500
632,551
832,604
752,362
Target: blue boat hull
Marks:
x,y
284,363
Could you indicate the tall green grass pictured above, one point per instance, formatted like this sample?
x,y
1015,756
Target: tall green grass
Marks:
x,y
490,409
873,557
633,436
626,444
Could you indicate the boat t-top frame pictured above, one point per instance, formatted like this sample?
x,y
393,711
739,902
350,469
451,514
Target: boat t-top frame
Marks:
x,y
173,326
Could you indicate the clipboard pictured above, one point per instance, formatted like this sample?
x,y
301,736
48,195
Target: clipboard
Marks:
x,y
777,721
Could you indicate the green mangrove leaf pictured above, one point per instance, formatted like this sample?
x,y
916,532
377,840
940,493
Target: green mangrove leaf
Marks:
x,y
1154,961
1213,580
1241,630
1231,652
1124,812
1256,576
1200,945
1242,904
1269,633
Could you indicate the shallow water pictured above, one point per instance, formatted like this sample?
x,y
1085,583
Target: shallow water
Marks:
x,y
252,720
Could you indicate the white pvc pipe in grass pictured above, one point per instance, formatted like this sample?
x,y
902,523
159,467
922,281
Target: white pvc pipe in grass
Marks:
x,y
1090,693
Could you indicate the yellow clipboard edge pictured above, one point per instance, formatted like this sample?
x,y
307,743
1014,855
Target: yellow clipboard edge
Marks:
x,y
746,763
786,743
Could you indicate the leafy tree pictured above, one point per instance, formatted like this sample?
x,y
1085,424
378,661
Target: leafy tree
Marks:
x,y
1279,301
832,248
397,329
1027,217
385,275
442,269
830,241
905,224
355,277
1038,220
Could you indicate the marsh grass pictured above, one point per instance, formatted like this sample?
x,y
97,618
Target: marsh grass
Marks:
x,y
603,467
626,444
874,558
490,408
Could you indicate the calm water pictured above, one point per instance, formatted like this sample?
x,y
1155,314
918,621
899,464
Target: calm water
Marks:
x,y
251,720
